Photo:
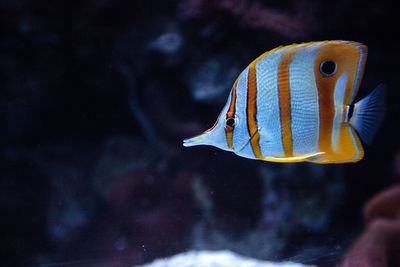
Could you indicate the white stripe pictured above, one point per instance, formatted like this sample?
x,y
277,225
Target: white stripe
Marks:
x,y
268,112
304,101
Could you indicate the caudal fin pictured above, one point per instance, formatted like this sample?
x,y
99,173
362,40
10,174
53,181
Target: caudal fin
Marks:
x,y
369,113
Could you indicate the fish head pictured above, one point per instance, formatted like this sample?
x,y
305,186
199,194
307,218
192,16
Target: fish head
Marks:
x,y
221,135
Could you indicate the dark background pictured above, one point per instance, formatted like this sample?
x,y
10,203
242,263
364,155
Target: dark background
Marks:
x,y
97,96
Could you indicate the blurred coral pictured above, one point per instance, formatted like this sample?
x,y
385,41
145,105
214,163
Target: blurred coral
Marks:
x,y
396,163
385,205
379,245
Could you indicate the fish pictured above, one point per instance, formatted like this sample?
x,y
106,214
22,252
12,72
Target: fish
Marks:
x,y
294,103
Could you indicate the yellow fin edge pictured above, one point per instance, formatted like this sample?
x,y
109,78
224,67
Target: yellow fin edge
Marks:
x,y
292,159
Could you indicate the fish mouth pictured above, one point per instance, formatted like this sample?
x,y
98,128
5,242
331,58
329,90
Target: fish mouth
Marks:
x,y
195,140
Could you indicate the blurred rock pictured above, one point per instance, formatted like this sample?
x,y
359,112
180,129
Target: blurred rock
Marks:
x,y
72,200
305,199
167,43
242,205
145,208
119,155
223,258
213,79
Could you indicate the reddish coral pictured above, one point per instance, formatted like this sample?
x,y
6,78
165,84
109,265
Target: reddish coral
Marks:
x,y
256,15
379,245
384,205
397,163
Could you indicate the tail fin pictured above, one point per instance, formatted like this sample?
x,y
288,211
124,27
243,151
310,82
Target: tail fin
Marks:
x,y
369,113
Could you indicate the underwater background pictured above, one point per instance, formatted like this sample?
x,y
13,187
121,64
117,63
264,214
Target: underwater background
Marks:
x,y
96,97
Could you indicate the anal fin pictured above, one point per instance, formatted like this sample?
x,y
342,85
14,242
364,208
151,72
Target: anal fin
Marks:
x,y
293,159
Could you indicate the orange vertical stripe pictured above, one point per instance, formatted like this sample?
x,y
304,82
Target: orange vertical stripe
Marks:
x,y
231,113
284,102
252,111
326,89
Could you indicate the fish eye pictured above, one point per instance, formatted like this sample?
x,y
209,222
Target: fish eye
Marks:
x,y
230,122
328,68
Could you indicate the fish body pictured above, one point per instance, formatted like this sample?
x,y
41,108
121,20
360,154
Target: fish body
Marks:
x,y
295,103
